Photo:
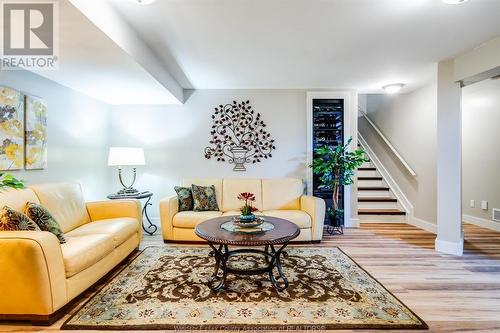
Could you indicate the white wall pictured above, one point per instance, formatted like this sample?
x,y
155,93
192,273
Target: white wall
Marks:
x,y
78,134
409,123
481,153
175,136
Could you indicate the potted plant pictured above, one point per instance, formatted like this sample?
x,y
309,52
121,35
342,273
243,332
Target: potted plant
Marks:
x,y
247,210
335,166
7,180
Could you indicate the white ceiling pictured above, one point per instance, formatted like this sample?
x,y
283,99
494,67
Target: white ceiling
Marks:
x,y
93,64
358,44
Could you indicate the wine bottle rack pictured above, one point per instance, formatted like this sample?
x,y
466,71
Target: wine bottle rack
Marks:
x,y
328,130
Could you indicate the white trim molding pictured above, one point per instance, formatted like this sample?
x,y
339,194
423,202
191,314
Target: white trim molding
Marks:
x,y
455,248
354,223
481,222
350,98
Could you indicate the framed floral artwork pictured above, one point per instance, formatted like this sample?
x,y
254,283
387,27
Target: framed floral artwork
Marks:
x,y
36,133
11,129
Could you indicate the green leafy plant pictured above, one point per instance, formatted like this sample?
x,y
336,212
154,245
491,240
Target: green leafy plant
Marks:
x,y
335,166
7,180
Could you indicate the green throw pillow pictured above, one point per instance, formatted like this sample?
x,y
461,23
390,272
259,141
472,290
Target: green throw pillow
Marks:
x,y
185,198
204,198
42,217
12,220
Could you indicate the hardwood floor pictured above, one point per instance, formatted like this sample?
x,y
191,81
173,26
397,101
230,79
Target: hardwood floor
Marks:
x,y
452,294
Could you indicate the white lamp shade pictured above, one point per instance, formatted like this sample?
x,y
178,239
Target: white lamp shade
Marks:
x,y
126,156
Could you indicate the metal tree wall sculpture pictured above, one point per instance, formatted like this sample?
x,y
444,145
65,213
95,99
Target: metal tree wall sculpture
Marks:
x,y
239,136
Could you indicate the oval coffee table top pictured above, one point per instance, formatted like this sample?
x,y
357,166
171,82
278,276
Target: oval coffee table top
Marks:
x,y
210,230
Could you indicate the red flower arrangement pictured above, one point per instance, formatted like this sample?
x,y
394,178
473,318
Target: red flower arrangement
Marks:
x,y
248,197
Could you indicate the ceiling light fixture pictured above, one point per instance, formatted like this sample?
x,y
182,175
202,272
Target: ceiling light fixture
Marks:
x,y
454,2
393,88
143,2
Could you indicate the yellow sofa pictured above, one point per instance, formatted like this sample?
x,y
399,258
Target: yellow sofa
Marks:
x,y
38,276
281,197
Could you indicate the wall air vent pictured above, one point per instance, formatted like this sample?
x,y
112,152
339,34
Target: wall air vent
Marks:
x,y
496,214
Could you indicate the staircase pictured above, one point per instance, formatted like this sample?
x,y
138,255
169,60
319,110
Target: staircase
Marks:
x,y
376,202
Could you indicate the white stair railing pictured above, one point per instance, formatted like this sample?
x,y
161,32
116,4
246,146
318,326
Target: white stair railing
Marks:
x,y
388,143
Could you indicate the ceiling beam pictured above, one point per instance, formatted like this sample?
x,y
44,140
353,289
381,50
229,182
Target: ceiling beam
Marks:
x,y
102,14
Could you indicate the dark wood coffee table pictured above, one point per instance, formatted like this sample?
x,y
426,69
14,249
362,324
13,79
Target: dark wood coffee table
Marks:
x,y
219,240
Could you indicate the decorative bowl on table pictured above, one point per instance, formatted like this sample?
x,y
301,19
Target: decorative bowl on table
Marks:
x,y
247,218
244,223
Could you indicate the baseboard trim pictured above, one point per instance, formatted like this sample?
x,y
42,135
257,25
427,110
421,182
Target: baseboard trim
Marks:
x,y
455,248
481,222
423,224
354,223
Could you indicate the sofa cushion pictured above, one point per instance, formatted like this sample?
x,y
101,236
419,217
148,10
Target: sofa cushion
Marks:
x,y
232,187
185,197
81,252
12,220
120,229
281,193
300,218
190,219
45,221
17,199
216,182
65,202
204,198
237,213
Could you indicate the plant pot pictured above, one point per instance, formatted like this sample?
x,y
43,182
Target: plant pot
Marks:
x,y
337,220
248,218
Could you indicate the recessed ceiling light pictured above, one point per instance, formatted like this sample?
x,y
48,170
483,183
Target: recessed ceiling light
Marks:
x,y
143,2
454,2
393,88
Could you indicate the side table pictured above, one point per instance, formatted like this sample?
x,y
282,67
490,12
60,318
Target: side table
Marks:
x,y
139,195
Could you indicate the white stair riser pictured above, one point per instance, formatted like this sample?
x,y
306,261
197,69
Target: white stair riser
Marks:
x,y
367,165
378,205
368,173
376,194
371,183
382,218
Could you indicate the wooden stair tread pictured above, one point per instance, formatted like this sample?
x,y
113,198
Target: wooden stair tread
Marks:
x,y
375,199
380,212
369,178
373,188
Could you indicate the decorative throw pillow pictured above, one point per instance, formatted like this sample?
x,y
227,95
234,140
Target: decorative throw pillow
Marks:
x,y
185,198
42,217
12,220
204,198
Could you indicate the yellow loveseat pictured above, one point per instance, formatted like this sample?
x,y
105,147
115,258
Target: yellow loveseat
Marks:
x,y
280,197
38,276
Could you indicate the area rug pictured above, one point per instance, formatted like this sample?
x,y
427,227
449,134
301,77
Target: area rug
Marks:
x,y
166,288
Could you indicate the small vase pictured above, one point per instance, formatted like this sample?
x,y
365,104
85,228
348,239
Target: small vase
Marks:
x,y
247,218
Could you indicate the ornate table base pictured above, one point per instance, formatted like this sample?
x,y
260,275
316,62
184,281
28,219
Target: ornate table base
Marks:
x,y
222,254
145,213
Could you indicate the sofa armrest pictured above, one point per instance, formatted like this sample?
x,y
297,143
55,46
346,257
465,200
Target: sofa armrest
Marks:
x,y
109,209
316,208
168,208
32,274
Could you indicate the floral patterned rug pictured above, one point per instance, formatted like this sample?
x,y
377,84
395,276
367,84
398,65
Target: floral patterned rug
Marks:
x,y
165,288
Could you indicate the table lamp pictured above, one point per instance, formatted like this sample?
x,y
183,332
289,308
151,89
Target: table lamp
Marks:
x,y
126,156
